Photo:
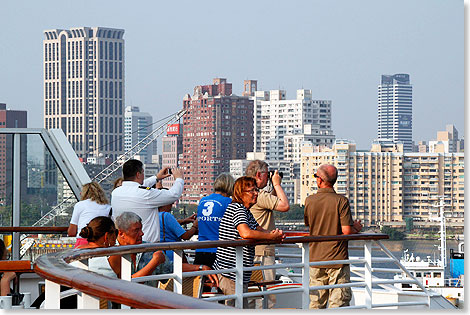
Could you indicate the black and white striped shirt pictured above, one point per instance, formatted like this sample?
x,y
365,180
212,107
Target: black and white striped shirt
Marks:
x,y
235,214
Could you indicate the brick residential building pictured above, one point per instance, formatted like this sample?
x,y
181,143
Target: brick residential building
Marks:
x,y
217,128
11,119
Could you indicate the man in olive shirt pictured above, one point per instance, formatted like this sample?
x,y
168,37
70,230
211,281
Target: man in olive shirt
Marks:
x,y
263,213
327,213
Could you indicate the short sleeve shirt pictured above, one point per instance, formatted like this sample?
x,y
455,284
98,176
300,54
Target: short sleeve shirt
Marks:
x,y
143,201
235,215
173,231
210,211
263,213
86,210
325,213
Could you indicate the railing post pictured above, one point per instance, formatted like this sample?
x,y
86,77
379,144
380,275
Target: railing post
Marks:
x,y
239,277
15,243
178,271
368,273
52,295
85,301
126,272
305,275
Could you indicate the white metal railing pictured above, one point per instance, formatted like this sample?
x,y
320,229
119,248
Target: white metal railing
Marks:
x,y
367,282
364,281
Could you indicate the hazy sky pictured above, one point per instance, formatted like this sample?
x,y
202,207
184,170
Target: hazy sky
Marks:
x,y
337,48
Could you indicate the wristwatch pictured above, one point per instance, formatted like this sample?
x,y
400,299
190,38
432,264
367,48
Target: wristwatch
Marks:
x,y
200,267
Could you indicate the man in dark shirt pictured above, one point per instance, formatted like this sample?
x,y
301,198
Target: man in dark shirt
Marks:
x,y
327,213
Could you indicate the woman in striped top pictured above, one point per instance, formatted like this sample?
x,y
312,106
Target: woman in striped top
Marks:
x,y
238,223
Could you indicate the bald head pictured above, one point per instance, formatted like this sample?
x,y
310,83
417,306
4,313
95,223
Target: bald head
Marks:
x,y
328,173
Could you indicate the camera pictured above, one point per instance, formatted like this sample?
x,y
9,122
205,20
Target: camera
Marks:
x,y
169,171
271,173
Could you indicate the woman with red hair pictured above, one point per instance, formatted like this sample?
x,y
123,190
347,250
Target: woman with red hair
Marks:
x,y
238,223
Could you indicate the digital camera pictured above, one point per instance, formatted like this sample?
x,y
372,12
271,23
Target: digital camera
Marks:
x,y
271,173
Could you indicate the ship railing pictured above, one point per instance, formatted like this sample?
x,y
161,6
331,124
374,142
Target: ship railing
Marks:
x,y
128,292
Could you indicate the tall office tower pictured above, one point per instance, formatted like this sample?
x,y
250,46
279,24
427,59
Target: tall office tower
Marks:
x,y
172,148
217,128
84,88
11,119
303,119
395,109
138,125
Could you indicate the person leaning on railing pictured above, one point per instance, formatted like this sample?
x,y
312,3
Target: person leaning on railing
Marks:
x,y
93,204
238,223
7,277
328,213
148,263
99,232
171,229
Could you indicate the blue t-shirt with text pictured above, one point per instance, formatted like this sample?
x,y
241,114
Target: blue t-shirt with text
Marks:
x,y
210,211
173,231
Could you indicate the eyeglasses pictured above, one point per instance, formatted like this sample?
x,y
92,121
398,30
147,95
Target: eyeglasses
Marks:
x,y
316,176
251,191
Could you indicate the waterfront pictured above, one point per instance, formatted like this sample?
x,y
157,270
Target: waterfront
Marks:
x,y
421,248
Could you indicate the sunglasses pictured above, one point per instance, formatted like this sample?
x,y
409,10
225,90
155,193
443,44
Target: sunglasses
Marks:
x,y
316,176
252,191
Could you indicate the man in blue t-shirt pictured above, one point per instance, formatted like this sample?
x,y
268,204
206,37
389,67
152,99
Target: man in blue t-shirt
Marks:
x,y
210,211
171,230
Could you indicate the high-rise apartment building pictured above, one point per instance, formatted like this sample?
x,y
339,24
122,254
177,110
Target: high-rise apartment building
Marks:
x,y
217,127
84,88
302,119
11,119
290,185
387,185
172,149
395,109
137,126
447,141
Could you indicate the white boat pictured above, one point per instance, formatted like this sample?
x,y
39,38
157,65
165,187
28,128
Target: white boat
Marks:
x,y
432,272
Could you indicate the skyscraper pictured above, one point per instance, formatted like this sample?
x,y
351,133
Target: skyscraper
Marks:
x,y
11,119
395,109
137,126
217,128
84,88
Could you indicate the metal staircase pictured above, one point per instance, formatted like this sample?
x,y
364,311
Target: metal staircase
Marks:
x,y
69,202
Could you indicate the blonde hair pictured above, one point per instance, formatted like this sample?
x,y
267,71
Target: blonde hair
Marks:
x,y
94,192
118,182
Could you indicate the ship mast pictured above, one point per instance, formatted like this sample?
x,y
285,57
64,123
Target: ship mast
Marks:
x,y
443,233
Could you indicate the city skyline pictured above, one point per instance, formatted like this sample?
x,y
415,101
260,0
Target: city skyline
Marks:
x,y
338,49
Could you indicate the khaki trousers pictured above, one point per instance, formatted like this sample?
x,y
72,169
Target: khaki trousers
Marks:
x,y
228,288
268,275
334,297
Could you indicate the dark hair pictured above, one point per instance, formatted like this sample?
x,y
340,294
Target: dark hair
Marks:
x,y
3,249
240,185
131,168
97,228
